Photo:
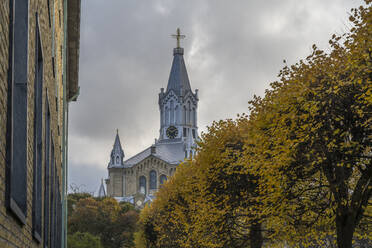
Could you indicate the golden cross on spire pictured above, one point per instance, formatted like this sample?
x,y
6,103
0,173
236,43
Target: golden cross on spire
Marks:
x,y
178,36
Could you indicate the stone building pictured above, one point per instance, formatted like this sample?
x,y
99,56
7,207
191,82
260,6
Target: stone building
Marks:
x,y
39,55
136,179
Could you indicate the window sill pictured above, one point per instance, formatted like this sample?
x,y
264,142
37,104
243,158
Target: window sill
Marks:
x,y
17,211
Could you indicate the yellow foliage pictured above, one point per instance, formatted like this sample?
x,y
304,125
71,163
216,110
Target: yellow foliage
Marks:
x,y
297,171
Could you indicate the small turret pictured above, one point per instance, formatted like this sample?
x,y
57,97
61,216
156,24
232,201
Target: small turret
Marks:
x,y
117,153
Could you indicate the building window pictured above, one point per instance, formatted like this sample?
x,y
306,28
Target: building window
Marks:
x,y
171,112
184,115
52,212
16,151
142,182
47,170
49,12
184,132
177,115
117,160
166,116
189,113
163,178
38,126
162,117
193,133
59,215
194,117
152,179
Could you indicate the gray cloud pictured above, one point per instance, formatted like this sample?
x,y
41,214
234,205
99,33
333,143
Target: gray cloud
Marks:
x,y
233,50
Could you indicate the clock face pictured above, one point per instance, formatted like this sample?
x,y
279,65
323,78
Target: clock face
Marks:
x,y
139,203
172,132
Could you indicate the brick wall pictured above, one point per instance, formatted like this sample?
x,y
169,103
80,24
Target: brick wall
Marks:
x,y
12,232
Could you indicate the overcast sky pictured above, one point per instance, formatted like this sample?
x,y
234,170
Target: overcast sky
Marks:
x,y
233,50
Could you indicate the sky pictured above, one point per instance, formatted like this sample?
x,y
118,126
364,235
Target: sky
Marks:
x,y
233,50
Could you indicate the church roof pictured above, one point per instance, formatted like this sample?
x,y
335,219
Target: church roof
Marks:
x,y
172,153
117,144
178,78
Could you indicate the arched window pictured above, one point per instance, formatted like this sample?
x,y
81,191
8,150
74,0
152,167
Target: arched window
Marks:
x,y
162,117
189,113
152,179
142,184
166,116
171,112
163,178
117,159
194,117
176,112
184,115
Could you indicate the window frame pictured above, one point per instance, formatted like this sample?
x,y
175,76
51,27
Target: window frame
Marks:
x,y
47,168
162,180
16,135
38,135
142,178
153,180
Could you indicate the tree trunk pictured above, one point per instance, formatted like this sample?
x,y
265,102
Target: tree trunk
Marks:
x,y
345,230
255,235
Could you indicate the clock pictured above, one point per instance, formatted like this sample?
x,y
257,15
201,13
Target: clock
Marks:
x,y
172,132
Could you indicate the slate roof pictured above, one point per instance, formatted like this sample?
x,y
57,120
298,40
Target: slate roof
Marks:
x,y
170,152
117,150
117,145
178,78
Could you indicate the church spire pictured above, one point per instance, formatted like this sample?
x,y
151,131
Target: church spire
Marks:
x,y
101,191
178,105
117,144
178,78
117,153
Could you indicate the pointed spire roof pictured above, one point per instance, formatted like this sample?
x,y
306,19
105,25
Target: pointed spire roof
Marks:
x,y
117,144
101,191
178,78
117,153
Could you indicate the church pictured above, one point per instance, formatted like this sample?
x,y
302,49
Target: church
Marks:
x,y
137,178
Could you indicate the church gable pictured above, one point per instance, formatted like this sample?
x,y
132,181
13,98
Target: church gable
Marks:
x,y
149,175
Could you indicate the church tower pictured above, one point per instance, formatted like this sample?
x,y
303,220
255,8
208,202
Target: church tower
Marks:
x,y
137,179
178,105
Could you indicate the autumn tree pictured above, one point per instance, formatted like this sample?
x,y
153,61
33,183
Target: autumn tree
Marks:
x,y
114,223
313,130
83,240
226,188
296,172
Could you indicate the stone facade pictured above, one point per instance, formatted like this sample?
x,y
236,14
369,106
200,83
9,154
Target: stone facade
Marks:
x,y
46,25
136,179
124,182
